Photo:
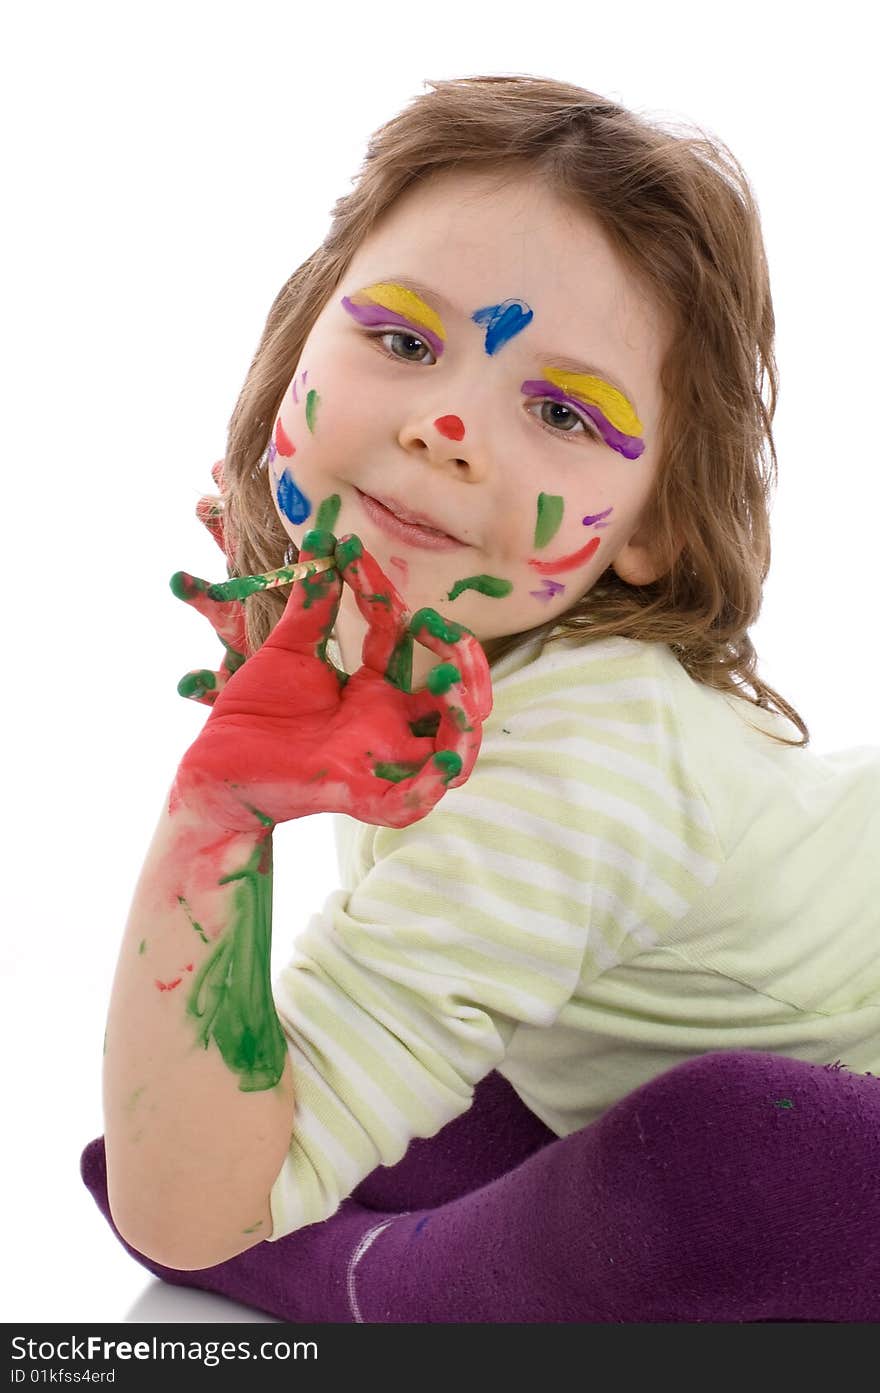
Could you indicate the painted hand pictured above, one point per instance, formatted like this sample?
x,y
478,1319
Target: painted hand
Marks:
x,y
289,735
225,616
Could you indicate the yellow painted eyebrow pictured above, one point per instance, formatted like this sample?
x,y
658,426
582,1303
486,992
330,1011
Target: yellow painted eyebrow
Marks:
x,y
402,301
594,390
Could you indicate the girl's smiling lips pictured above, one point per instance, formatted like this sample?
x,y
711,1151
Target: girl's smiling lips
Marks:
x,y
417,529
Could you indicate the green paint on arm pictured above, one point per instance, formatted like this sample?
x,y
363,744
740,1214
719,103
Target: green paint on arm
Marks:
x,y
198,928
231,998
328,513
131,1104
550,510
486,585
253,1228
312,403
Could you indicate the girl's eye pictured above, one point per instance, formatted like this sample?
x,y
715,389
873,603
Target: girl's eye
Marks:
x,y
565,425
403,337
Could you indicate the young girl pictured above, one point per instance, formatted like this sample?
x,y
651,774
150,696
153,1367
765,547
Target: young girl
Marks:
x,y
566,1044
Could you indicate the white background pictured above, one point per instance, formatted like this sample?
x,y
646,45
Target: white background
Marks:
x,y
165,168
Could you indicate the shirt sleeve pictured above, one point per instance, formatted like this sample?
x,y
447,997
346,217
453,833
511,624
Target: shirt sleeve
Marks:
x,y
570,836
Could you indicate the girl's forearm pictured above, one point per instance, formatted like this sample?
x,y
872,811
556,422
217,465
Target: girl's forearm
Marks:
x,y
198,1090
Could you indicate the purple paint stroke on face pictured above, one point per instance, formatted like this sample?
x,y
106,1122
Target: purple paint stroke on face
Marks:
x,y
551,588
592,519
377,314
630,446
305,376
503,321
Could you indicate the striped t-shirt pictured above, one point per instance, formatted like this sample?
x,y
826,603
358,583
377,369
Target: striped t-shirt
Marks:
x,y
633,875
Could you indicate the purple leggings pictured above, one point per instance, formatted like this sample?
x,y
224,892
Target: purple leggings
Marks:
x,y
736,1187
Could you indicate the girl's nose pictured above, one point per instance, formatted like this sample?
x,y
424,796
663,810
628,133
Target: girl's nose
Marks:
x,y
450,426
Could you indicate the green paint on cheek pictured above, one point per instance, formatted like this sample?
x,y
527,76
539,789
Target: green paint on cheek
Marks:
x,y
449,762
486,585
143,946
441,678
399,669
231,998
104,1050
328,513
312,403
550,510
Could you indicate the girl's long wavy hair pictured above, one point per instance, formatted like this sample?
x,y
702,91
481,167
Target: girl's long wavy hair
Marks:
x,y
678,209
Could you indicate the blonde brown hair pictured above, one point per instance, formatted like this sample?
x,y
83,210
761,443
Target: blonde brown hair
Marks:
x,y
678,209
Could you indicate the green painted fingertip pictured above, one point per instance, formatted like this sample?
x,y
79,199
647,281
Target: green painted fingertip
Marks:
x,y
441,678
449,762
348,550
195,684
319,542
185,586
445,629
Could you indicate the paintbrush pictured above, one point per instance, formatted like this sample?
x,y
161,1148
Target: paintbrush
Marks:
x,y
241,586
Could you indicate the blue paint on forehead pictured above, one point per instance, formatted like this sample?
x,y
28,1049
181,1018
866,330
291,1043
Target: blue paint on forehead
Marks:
x,y
503,322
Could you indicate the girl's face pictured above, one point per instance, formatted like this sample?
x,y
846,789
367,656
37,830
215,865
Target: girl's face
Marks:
x,y
486,365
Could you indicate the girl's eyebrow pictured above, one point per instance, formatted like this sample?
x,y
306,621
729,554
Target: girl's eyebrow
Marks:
x,y
547,359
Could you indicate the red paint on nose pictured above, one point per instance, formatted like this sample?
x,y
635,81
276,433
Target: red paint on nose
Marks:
x,y
450,426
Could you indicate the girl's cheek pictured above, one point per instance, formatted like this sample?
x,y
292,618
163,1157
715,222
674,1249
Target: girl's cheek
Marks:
x,y
567,543
291,456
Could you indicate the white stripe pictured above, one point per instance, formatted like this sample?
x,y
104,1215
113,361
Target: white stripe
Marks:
x,y
607,805
581,845
368,1239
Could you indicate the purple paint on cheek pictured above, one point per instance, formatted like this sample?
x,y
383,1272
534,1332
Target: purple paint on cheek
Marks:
x,y
592,520
551,588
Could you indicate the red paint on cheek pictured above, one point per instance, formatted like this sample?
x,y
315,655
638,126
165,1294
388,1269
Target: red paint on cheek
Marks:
x,y
168,986
450,426
566,563
283,443
402,566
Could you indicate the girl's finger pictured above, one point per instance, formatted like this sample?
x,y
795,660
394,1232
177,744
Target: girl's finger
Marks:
x,y
455,644
203,685
226,617
312,605
210,514
450,766
386,645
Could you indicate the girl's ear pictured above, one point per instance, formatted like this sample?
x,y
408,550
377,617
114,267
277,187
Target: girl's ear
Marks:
x,y
637,562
